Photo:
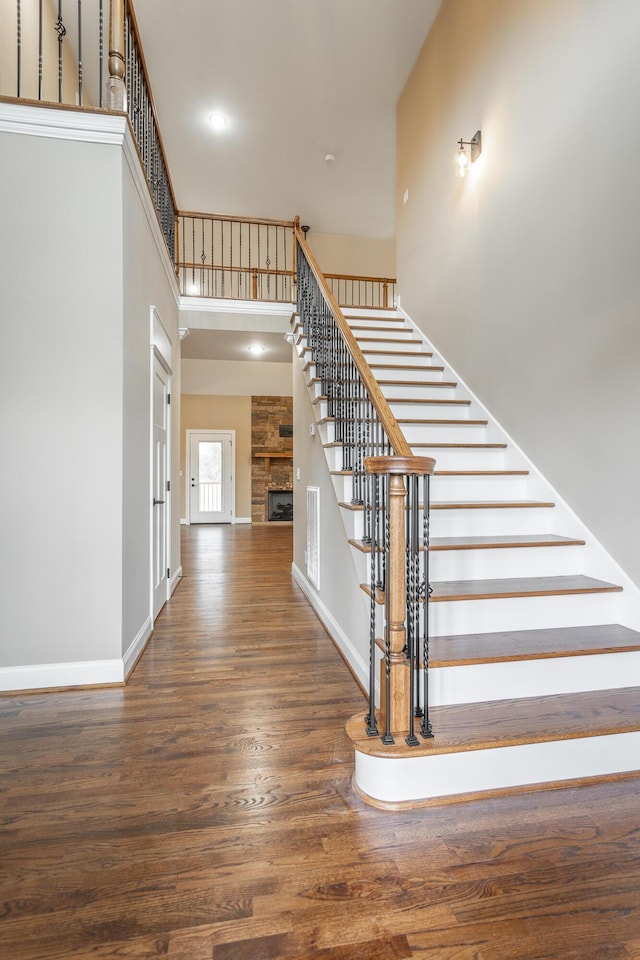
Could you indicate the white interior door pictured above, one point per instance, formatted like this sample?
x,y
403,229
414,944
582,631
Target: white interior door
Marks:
x,y
160,486
211,476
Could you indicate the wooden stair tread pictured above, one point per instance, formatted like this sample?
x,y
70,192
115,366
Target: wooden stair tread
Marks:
x,y
481,473
489,542
455,473
489,504
446,423
403,340
424,400
379,326
449,591
414,421
397,353
504,723
416,383
406,366
472,505
421,401
458,446
509,646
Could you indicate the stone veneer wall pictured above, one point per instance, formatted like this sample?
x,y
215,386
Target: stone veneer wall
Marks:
x,y
267,414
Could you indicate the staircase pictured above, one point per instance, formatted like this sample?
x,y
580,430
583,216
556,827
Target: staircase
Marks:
x,y
535,650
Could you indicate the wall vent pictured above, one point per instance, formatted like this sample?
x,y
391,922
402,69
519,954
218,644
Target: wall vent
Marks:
x,y
313,536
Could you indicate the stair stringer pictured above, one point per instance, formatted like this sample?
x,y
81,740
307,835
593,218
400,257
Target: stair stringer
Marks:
x,y
597,561
339,603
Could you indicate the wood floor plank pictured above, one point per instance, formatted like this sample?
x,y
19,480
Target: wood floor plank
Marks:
x,y
206,808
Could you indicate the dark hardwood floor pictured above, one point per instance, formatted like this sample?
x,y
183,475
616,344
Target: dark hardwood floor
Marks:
x,y
206,810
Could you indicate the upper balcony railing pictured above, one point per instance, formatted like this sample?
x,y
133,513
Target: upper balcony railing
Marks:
x,y
87,53
255,259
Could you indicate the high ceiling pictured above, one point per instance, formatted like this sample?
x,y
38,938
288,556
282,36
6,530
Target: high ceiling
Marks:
x,y
297,80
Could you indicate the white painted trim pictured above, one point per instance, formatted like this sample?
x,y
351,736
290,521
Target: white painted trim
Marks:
x,y
423,777
242,520
333,628
603,565
136,647
220,305
60,124
184,522
174,581
40,676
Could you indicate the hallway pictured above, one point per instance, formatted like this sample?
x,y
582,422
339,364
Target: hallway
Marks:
x,y
205,811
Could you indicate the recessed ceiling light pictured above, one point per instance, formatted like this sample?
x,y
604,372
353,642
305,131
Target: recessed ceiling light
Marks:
x,y
256,348
218,121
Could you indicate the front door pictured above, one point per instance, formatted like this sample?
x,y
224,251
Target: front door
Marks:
x,y
211,476
160,493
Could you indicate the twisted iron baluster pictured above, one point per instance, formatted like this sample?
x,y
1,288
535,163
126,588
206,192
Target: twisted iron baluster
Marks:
x,y
370,719
80,78
387,738
425,728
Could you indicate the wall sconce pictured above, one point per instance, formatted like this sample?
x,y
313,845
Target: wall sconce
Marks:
x,y
466,156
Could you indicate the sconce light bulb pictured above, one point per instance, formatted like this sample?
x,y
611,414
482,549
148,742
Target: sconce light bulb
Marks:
x,y
461,162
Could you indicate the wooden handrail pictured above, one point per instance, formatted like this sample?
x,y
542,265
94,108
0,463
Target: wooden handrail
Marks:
x,y
262,221
389,423
358,278
227,268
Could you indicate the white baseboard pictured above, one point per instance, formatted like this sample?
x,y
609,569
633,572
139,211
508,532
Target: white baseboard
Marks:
x,y
333,628
136,647
242,520
40,676
184,522
174,581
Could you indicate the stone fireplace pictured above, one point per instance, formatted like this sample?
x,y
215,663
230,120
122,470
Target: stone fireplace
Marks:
x,y
271,458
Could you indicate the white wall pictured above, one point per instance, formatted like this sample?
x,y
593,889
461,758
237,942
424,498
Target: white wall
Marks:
x,y
339,592
525,274
145,283
60,402
81,266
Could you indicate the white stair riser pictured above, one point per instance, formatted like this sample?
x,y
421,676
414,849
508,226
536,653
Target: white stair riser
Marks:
x,y
517,613
478,488
464,458
444,433
361,314
503,563
458,488
419,390
374,343
391,356
491,521
430,411
474,683
397,372
471,771
499,563
398,332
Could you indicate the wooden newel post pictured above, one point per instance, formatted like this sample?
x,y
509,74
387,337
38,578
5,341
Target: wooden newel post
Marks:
x,y
398,707
116,94
399,703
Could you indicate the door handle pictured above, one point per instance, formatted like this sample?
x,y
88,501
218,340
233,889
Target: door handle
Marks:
x,y
156,502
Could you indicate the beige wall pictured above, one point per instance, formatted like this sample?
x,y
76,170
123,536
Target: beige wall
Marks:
x,y
361,256
236,377
525,274
205,412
